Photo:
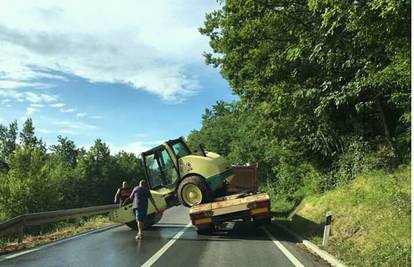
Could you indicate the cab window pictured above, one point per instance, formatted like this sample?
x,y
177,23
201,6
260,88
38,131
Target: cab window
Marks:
x,y
168,168
154,171
180,150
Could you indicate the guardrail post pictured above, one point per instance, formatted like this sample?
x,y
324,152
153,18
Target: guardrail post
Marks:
x,y
20,231
327,229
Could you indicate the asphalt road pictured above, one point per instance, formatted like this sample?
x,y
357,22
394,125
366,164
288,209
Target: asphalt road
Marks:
x,y
173,242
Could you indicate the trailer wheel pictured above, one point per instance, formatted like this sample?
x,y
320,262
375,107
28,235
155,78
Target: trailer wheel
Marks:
x,y
206,229
262,221
148,221
193,190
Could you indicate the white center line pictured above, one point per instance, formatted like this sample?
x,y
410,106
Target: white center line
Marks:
x,y
289,255
164,248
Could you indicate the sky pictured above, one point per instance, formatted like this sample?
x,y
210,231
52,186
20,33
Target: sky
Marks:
x,y
129,72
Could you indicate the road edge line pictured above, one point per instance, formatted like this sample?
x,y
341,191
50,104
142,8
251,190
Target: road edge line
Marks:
x,y
314,248
54,243
282,248
164,248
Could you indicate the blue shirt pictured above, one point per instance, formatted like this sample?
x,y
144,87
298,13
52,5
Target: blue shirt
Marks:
x,y
140,194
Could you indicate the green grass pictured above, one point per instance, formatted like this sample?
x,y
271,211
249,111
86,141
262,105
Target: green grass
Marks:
x,y
371,224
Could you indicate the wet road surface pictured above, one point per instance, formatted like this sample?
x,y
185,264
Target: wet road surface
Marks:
x,y
172,242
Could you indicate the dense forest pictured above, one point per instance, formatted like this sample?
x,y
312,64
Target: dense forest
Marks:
x,y
324,90
34,177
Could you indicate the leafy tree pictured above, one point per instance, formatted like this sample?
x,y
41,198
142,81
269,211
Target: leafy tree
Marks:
x,y
324,88
8,136
129,169
321,70
96,169
28,138
26,187
65,151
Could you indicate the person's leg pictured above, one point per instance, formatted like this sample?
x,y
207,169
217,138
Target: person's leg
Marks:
x,y
137,220
140,228
141,216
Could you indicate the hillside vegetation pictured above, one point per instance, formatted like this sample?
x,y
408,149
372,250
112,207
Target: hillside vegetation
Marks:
x,y
371,224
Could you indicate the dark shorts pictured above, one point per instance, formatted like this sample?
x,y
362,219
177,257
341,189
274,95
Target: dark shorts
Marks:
x,y
140,214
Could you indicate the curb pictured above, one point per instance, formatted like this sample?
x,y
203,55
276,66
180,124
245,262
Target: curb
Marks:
x,y
314,248
53,243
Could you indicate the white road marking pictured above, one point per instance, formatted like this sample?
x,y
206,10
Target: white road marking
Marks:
x,y
53,243
164,248
166,225
289,255
21,253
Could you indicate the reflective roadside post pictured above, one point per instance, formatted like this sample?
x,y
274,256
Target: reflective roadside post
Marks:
x,y
327,229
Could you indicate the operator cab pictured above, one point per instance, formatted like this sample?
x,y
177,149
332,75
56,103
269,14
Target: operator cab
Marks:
x,y
161,165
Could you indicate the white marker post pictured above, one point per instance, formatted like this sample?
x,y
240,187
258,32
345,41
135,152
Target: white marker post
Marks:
x,y
327,229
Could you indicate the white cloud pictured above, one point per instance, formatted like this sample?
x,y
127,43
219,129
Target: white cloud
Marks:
x,y
57,105
10,84
33,108
30,110
80,114
149,45
134,147
37,105
67,110
27,96
36,98
74,125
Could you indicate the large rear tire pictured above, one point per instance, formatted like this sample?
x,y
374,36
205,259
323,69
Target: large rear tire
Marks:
x,y
149,221
194,190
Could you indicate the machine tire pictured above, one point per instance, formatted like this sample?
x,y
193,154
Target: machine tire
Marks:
x,y
148,222
205,229
200,183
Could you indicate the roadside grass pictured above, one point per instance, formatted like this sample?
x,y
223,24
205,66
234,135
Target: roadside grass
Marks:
x,y
53,232
371,219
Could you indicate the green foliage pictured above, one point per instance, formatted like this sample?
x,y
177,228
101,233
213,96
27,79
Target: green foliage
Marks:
x,y
26,187
324,90
34,180
372,219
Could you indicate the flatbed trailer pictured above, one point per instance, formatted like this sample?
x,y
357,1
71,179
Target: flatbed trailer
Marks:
x,y
247,204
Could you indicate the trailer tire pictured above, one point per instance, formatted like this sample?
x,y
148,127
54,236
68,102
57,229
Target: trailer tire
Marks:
x,y
149,221
206,229
194,190
262,221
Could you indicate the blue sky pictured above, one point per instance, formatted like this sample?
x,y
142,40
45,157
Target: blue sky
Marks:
x,y
131,74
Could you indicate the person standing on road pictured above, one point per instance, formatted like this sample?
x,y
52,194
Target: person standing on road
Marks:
x,y
140,195
122,193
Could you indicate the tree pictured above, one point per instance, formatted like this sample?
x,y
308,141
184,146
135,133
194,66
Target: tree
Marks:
x,y
27,187
321,71
97,171
8,136
65,151
28,138
324,88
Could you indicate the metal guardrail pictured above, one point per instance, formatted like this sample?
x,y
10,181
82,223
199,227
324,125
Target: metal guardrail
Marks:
x,y
17,224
